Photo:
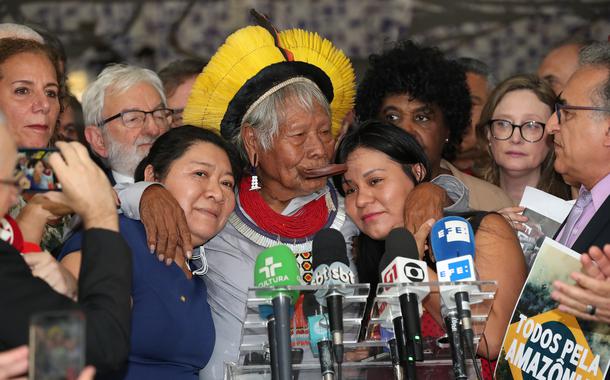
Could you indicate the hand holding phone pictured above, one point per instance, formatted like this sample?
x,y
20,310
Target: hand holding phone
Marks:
x,y
57,345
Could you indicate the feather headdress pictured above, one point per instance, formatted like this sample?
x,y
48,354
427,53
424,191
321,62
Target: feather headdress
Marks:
x,y
257,60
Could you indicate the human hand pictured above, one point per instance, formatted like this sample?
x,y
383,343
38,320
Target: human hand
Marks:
x,y
596,262
87,374
14,363
588,291
514,218
84,186
45,267
426,201
167,232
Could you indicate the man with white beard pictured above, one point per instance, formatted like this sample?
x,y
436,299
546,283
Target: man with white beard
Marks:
x,y
125,110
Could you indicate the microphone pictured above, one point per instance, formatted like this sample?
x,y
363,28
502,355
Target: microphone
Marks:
x,y
401,264
331,267
400,351
319,336
454,335
452,241
277,267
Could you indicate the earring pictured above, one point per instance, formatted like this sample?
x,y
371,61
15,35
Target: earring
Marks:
x,y
446,140
254,178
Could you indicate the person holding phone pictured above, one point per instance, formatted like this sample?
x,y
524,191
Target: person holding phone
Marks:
x,y
104,284
30,97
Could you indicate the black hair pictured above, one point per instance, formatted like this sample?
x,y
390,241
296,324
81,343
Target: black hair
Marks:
x,y
395,142
171,145
424,74
177,72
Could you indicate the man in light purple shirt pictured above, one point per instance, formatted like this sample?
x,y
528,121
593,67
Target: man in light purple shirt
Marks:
x,y
581,135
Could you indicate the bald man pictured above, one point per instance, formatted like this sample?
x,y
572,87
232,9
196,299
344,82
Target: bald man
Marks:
x,y
559,65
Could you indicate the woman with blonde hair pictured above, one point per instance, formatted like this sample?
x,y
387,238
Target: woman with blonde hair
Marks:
x,y
519,158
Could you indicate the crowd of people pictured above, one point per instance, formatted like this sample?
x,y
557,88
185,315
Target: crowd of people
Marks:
x,y
173,183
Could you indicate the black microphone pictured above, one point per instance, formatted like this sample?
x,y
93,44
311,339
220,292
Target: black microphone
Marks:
x,y
319,336
401,263
331,267
273,345
454,334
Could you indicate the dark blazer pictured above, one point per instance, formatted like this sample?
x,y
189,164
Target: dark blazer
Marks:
x,y
104,290
597,231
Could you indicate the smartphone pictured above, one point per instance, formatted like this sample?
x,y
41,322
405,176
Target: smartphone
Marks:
x,y
34,172
57,345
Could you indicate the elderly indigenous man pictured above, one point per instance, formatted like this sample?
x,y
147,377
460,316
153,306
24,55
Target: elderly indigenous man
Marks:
x,y
280,97
581,130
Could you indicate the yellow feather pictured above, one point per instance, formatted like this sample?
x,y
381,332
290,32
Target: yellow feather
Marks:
x,y
240,58
249,50
312,48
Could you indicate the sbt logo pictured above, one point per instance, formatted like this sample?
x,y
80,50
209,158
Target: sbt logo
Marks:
x,y
334,273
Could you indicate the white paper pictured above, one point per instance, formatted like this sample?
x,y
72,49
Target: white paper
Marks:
x,y
546,204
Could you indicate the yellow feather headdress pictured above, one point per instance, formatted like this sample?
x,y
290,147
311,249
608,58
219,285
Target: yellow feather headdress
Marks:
x,y
250,63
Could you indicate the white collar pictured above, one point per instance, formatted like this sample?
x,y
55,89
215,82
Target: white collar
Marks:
x,y
121,178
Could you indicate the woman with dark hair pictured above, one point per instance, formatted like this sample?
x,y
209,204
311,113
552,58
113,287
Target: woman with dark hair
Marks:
x,y
384,163
417,89
200,170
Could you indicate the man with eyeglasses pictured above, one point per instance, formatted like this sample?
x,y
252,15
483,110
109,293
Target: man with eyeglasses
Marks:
x,y
581,131
125,110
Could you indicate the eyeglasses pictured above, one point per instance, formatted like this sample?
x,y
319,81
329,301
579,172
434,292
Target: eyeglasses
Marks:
x,y
531,131
562,106
136,118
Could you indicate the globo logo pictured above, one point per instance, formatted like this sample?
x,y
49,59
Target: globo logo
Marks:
x,y
414,272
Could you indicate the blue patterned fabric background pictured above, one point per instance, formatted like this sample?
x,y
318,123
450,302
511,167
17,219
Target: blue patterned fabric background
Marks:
x,y
510,35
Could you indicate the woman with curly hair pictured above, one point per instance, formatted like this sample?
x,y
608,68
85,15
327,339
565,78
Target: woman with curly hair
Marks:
x,y
417,89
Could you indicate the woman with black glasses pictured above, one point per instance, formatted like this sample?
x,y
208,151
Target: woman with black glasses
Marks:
x,y
512,129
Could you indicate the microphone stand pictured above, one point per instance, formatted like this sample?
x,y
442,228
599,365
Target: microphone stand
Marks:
x,y
281,311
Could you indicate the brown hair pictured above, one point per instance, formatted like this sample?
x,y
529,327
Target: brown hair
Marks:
x,y
13,46
550,181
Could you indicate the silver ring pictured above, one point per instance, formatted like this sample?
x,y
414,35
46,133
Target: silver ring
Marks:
x,y
591,309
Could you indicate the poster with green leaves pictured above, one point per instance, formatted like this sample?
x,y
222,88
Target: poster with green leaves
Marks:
x,y
542,342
